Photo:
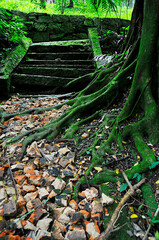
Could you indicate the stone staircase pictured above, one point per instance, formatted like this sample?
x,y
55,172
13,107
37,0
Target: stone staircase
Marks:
x,y
51,65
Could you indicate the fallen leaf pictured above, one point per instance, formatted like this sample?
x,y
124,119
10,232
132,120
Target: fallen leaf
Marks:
x,y
99,169
117,171
131,208
133,216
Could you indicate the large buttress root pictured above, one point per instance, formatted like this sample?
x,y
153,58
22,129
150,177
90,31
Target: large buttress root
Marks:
x,y
141,97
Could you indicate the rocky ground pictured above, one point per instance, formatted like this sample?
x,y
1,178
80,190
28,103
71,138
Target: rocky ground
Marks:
x,y
36,193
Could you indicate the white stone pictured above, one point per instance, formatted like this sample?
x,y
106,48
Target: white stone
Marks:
x,y
30,196
59,184
3,194
68,211
29,226
64,219
106,199
91,230
76,234
10,191
43,193
63,151
44,223
91,193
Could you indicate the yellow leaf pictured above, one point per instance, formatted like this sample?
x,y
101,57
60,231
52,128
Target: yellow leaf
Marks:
x,y
133,216
14,197
138,157
96,147
136,164
1,218
131,208
106,183
89,130
80,163
157,182
124,142
99,169
117,171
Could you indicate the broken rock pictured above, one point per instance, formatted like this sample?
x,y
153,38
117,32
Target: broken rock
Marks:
x,y
10,209
106,200
58,229
97,206
59,184
41,234
92,230
44,223
91,193
64,219
43,193
76,234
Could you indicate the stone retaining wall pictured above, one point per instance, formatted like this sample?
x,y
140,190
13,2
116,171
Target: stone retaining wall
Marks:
x,y
43,27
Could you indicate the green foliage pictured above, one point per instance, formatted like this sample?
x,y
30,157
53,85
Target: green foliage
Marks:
x,y
106,8
154,164
123,187
137,176
157,235
11,29
125,30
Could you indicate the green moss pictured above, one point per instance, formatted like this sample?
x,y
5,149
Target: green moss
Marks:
x,y
149,199
122,220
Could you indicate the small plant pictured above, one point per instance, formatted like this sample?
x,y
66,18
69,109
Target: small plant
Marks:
x,y
124,30
11,29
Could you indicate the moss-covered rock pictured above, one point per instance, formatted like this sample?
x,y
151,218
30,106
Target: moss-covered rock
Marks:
x,y
10,63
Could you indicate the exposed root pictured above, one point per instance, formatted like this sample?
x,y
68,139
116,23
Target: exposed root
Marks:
x,y
112,221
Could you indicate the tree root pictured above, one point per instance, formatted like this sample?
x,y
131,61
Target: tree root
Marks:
x,y
114,217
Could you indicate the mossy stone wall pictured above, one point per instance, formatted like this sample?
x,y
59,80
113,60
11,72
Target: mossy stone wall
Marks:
x,y
43,27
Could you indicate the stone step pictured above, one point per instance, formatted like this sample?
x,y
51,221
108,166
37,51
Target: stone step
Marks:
x,y
39,80
60,56
59,49
59,62
58,72
59,66
62,46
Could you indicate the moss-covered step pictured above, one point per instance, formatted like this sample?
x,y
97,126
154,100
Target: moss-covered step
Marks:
x,y
61,46
58,72
58,56
94,39
39,80
58,62
10,63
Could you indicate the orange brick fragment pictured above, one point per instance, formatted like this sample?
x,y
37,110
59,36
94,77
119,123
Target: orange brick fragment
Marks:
x,y
73,204
96,226
23,222
5,122
20,179
19,118
85,214
2,169
6,165
29,172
